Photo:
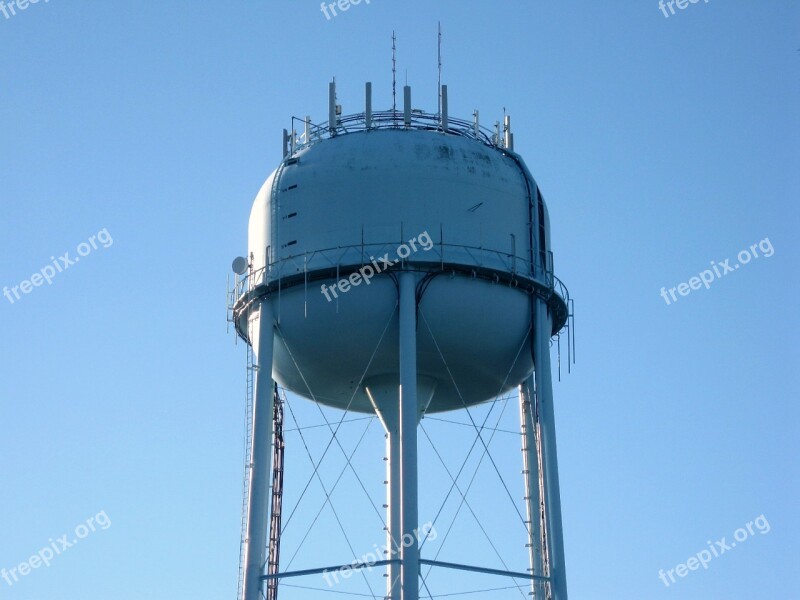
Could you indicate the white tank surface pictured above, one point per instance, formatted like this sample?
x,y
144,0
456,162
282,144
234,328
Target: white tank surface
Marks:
x,y
437,196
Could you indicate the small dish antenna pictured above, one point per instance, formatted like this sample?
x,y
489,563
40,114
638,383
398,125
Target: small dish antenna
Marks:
x,y
240,265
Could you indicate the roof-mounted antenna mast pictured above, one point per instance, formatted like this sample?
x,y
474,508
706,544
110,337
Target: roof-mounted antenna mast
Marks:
x,y
440,68
394,72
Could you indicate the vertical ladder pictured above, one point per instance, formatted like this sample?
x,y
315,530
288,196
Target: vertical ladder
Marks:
x,y
248,453
273,560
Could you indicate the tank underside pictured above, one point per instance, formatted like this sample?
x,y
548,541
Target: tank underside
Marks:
x,y
474,338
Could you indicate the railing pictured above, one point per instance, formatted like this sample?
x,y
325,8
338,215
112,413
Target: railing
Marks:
x,y
390,119
447,256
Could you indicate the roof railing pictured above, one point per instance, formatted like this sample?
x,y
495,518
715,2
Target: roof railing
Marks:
x,y
312,133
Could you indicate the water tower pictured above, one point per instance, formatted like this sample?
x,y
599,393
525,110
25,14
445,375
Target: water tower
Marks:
x,y
399,264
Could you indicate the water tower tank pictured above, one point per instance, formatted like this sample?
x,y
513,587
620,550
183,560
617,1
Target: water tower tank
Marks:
x,y
349,197
390,238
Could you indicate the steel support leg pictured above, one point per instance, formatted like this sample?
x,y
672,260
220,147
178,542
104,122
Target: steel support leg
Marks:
x,y
533,501
261,334
544,393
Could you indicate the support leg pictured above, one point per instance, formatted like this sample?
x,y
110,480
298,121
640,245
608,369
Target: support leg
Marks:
x,y
533,502
544,394
261,334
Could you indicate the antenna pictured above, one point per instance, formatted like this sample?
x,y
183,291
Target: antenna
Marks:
x,y
394,72
440,68
240,265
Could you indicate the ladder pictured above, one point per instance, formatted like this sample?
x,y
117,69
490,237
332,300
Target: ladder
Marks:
x,y
277,497
248,453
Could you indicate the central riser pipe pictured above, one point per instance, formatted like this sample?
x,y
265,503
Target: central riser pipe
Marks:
x,y
409,514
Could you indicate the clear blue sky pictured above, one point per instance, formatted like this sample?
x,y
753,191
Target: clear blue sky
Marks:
x,y
661,144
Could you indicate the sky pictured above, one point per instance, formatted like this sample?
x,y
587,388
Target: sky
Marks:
x,y
135,135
